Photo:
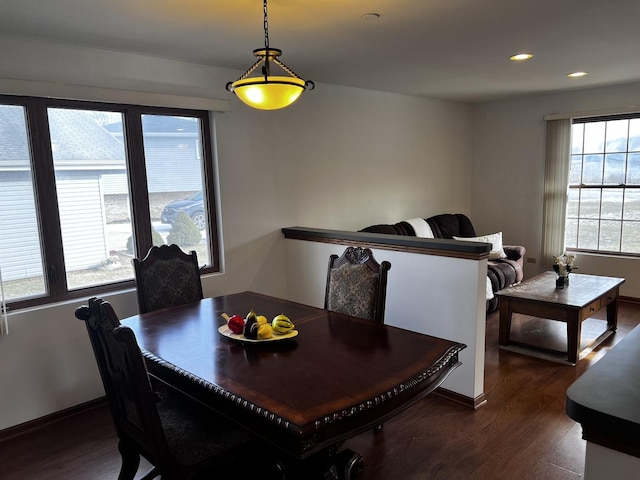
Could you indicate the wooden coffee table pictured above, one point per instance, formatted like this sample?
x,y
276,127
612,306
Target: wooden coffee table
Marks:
x,y
538,297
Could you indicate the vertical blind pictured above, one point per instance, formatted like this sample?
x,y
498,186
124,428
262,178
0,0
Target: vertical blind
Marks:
x,y
556,180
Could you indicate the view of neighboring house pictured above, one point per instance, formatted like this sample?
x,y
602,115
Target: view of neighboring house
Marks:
x,y
172,154
89,163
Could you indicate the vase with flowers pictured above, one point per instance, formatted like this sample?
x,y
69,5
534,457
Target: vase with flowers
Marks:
x,y
563,265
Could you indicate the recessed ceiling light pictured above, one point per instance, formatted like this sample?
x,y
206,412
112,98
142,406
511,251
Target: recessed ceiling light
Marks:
x,y
577,74
371,17
521,56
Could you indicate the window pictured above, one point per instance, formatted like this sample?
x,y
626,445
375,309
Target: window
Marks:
x,y
85,187
603,209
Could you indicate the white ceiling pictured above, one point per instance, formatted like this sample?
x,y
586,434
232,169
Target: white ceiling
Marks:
x,y
448,49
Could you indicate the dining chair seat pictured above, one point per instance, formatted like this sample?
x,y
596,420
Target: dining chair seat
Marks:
x,y
194,434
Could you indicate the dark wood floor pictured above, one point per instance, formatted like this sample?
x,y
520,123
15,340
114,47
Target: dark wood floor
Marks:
x,y
521,433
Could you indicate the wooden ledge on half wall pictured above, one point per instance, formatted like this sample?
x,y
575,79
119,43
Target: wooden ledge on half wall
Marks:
x,y
426,246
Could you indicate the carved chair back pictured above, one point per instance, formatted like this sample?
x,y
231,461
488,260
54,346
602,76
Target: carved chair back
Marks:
x,y
357,284
125,380
167,277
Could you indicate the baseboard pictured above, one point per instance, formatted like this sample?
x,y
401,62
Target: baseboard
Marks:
x,y
634,300
12,432
474,403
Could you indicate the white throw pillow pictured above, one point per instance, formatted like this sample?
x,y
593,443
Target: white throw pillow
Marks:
x,y
495,239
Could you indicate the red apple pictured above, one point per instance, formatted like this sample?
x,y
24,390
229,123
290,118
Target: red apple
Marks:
x,y
236,324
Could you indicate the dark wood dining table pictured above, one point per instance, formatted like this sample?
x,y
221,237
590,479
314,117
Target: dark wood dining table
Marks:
x,y
340,376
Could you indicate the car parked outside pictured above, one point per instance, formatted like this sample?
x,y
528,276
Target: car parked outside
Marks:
x,y
192,205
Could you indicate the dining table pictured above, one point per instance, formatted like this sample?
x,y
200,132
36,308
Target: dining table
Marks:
x,y
334,378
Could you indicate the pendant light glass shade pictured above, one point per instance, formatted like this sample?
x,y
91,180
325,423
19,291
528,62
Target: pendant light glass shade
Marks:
x,y
266,91
269,93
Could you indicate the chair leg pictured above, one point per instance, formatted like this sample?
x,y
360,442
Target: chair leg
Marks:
x,y
130,461
153,473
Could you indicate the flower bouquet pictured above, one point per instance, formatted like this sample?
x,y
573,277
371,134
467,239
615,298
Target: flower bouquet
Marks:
x,y
563,265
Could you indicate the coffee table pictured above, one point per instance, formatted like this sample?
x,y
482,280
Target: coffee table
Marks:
x,y
582,298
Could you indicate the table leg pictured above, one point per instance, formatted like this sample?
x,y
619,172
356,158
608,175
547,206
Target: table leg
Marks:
x,y
505,321
612,314
574,330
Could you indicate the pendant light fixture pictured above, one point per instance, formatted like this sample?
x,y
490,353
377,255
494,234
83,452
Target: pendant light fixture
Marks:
x,y
269,92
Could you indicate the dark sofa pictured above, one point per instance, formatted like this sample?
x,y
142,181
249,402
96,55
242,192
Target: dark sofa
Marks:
x,y
502,272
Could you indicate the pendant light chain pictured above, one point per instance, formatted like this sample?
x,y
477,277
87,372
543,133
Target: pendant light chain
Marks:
x,y
266,70
266,26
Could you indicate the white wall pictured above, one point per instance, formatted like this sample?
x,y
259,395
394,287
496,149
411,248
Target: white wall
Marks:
x,y
46,361
508,173
341,158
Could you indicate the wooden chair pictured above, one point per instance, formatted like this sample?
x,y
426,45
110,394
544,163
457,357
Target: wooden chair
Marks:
x,y
357,284
177,435
167,277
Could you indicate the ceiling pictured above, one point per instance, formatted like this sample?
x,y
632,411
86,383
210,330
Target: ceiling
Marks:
x,y
449,49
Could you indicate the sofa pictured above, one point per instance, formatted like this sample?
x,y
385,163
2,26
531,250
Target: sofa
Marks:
x,y
504,267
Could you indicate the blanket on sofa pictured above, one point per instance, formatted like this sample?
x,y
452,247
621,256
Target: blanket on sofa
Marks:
x,y
501,272
420,227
